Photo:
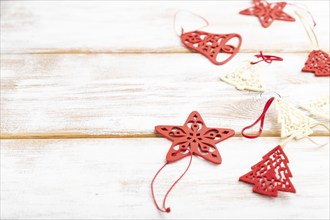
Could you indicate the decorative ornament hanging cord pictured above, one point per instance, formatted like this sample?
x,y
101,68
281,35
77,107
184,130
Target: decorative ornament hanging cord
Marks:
x,y
309,30
181,28
167,209
267,58
261,119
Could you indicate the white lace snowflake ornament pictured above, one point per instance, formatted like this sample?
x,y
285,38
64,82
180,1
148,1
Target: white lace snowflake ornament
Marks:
x,y
245,77
293,121
319,108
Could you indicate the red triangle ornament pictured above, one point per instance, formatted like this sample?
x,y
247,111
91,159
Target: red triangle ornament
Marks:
x,y
271,174
267,12
194,138
212,46
318,62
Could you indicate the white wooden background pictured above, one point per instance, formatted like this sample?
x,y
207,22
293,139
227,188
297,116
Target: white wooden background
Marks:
x,y
83,83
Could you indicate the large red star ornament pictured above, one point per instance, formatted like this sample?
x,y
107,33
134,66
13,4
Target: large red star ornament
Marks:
x,y
271,174
213,46
318,62
268,12
195,138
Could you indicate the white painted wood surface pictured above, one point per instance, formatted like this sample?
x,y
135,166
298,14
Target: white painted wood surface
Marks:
x,y
72,72
144,26
104,94
110,179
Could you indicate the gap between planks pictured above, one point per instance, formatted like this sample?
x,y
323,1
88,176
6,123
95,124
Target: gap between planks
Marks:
x,y
124,135
179,51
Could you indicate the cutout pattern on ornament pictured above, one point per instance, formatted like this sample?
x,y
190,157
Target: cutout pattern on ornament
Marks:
x,y
292,120
271,174
212,45
268,12
318,62
194,137
244,78
319,108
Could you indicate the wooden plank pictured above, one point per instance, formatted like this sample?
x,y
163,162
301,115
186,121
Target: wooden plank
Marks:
x,y
110,179
137,27
109,95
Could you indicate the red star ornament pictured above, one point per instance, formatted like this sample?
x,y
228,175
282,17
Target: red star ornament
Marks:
x,y
194,137
212,46
318,62
271,174
268,12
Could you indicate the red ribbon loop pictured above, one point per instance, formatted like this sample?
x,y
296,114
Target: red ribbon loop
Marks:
x,y
261,119
267,58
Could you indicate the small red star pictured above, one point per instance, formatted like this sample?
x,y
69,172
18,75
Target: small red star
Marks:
x,y
268,12
194,137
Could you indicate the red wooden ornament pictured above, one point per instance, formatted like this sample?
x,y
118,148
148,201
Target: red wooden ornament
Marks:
x,y
271,174
267,12
318,62
191,138
212,45
194,138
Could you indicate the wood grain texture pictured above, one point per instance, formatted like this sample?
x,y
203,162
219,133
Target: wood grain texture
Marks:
x,y
144,26
110,179
50,95
73,72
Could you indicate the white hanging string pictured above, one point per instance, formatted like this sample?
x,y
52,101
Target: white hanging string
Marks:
x,y
309,30
179,29
296,134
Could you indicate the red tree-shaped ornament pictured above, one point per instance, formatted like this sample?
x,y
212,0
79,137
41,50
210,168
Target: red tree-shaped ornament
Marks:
x,y
270,175
268,12
194,137
212,45
318,62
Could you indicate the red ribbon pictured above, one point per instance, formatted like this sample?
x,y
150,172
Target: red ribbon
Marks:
x,y
261,119
267,58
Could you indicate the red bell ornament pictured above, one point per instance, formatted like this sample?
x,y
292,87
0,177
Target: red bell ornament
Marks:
x,y
215,47
218,48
